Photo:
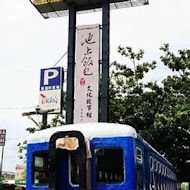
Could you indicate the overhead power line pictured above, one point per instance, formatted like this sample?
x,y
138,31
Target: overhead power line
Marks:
x,y
16,108
60,58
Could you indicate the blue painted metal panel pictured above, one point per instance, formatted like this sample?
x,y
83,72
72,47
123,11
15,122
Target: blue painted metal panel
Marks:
x,y
127,143
52,78
63,169
151,153
31,148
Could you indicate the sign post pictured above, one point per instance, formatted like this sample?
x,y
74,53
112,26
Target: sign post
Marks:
x,y
2,143
58,8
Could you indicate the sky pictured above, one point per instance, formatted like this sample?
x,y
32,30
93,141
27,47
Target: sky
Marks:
x,y
28,43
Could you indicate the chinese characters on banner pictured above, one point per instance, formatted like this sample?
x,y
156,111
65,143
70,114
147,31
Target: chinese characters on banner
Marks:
x,y
2,137
87,74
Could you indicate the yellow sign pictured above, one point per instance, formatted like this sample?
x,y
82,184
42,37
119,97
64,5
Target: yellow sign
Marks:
x,y
43,2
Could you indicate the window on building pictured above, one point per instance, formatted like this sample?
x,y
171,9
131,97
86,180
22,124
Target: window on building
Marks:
x,y
109,165
40,169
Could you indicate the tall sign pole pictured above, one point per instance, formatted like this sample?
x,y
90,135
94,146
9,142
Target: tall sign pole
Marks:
x,y
2,143
71,65
104,108
60,8
2,154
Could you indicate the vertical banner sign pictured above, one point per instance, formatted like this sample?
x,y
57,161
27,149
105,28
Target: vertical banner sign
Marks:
x,y
87,74
2,137
51,86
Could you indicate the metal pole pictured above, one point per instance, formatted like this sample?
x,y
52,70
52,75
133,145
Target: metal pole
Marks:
x,y
1,160
44,120
71,65
105,61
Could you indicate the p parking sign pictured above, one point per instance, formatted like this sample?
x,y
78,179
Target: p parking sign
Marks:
x,y
51,86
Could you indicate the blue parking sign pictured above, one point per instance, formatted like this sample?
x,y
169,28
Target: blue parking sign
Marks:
x,y
51,79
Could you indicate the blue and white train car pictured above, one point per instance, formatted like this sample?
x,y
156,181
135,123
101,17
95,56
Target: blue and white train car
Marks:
x,y
95,156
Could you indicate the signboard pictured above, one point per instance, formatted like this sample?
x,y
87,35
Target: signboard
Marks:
x,y
2,137
58,8
20,174
51,86
87,74
185,186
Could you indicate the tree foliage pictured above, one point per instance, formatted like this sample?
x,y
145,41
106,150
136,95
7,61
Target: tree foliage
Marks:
x,y
1,179
160,113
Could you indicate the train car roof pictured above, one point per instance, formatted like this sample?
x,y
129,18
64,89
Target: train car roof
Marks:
x,y
89,130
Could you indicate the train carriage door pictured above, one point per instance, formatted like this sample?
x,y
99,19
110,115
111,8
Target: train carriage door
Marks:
x,y
67,161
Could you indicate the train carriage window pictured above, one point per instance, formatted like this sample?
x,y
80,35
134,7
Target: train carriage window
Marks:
x,y
152,173
40,169
109,165
156,181
139,176
151,163
139,155
152,179
163,170
139,167
155,165
159,167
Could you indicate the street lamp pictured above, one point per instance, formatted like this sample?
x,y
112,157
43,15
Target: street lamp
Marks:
x,y
58,8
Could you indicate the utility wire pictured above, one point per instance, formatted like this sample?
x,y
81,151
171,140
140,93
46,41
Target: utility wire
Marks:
x,y
16,108
20,108
60,58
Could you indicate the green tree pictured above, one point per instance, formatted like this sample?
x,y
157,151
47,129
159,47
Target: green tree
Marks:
x,y
172,123
1,181
160,113
1,178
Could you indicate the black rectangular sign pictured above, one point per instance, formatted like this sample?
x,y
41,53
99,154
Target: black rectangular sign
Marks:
x,y
2,137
